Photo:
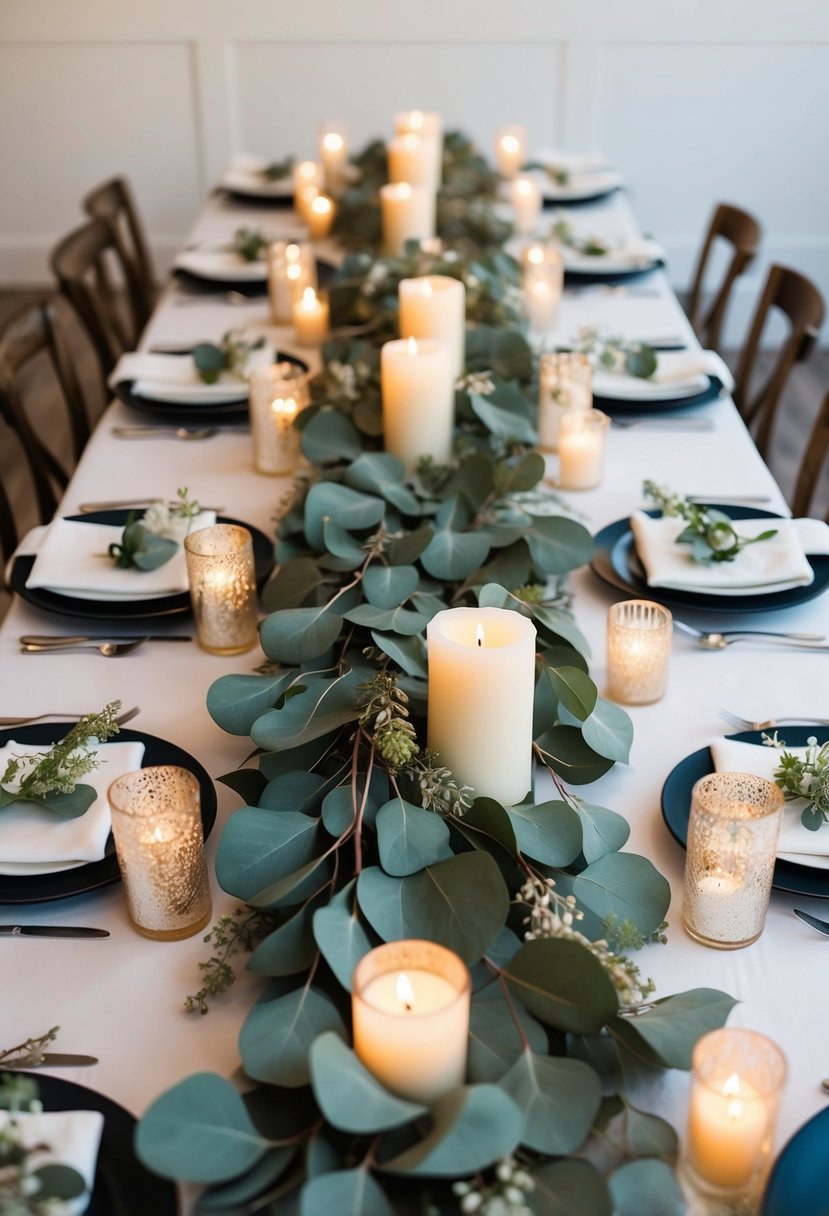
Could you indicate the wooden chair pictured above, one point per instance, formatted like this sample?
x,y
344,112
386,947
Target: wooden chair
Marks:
x,y
113,202
34,330
87,266
814,460
743,233
796,297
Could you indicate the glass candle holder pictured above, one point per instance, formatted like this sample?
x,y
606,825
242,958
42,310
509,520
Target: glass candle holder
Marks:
x,y
222,587
638,651
736,1082
159,842
565,383
543,289
525,198
510,150
732,845
291,268
581,449
410,1011
277,394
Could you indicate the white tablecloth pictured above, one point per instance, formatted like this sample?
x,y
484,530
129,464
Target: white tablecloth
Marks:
x,y
121,999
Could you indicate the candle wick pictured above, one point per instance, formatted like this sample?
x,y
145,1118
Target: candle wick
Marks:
x,y
407,1007
480,641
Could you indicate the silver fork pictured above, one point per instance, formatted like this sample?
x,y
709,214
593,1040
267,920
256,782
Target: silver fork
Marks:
x,y
663,424
122,719
744,724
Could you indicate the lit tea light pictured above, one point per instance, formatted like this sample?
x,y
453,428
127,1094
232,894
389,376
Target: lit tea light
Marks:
x,y
581,441
565,383
320,216
481,687
434,306
278,392
638,650
525,198
510,145
408,214
410,1012
222,581
417,386
311,318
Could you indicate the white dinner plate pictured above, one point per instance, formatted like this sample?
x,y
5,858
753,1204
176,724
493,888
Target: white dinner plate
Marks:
x,y
254,183
621,386
221,265
626,259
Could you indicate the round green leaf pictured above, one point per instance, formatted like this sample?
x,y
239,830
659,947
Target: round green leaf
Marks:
x,y
389,586
343,545
199,1131
561,983
382,473
346,1192
258,847
290,948
570,1188
238,1193
297,635
646,1188
609,731
667,1032
571,757
277,1036
58,1182
549,832
502,420
395,620
573,689
318,707
559,1099
235,702
558,544
330,436
472,1127
349,1096
410,838
351,510
603,831
409,653
622,886
341,935
494,1039
454,555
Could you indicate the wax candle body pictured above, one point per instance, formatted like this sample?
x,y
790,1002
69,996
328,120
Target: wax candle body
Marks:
x,y
581,449
525,197
429,127
726,1133
307,176
408,213
311,318
319,216
291,268
481,687
334,157
411,159
564,384
418,391
434,306
541,301
510,144
414,1042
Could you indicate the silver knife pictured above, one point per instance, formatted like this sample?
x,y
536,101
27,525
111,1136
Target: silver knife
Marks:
x,y
51,931
56,1059
56,639
820,925
90,508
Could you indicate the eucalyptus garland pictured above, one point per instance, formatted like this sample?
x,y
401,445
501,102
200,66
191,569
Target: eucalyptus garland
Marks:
x,y
354,833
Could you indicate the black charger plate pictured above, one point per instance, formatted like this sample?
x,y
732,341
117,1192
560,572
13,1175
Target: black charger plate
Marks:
x,y
649,405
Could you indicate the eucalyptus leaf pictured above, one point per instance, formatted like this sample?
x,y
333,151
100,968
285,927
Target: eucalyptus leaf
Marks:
x,y
571,757
341,934
389,586
609,731
277,1035
235,702
603,831
69,805
57,1182
295,791
621,886
507,423
238,1194
248,783
291,947
398,620
346,1192
558,544
410,838
408,652
349,1096
199,1131
297,635
490,819
640,1134
345,547
319,708
646,1188
382,473
351,509
454,555
563,985
330,437
549,832
561,626
559,1099
292,584
666,1033
472,1127
574,689
404,549
258,847
570,1188
495,1041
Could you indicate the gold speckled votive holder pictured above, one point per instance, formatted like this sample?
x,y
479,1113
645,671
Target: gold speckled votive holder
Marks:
x,y
638,651
222,580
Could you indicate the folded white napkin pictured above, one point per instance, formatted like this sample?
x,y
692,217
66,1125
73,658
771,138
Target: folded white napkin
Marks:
x,y
246,173
36,841
679,373
633,253
796,843
73,558
174,378
771,565
221,264
72,1138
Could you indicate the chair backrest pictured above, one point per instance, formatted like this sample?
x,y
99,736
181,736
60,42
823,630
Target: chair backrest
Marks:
x,y
87,266
743,233
814,461
113,202
31,330
800,302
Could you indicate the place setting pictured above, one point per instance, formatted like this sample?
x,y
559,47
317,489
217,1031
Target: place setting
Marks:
x,y
562,177
254,179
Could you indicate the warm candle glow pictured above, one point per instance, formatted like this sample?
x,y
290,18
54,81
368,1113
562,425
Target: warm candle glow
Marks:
x,y
307,172
309,299
405,992
321,205
535,254
524,185
416,118
434,306
292,253
411,346
284,410
294,271
427,288
332,142
509,143
479,635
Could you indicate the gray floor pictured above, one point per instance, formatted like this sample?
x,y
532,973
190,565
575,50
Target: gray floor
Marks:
x,y
804,392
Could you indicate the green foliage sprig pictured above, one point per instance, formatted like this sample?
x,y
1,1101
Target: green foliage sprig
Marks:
x,y
231,355
614,353
28,1054
804,777
556,173
151,541
710,533
591,246
278,170
52,779
26,1190
250,243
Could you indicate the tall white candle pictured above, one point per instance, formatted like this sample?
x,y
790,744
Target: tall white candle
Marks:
x,y
411,159
481,686
510,150
408,214
418,391
311,318
429,126
525,197
319,216
410,1011
541,300
434,306
334,156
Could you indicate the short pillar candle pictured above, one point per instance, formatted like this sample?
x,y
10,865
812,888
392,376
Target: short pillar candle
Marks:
x,y
411,159
410,1011
525,198
333,149
736,1082
510,150
428,125
291,268
434,306
638,651
581,439
408,214
222,581
729,864
311,313
319,216
481,689
418,393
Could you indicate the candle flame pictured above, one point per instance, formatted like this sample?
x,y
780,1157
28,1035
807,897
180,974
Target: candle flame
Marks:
x,y
730,1089
479,635
404,190
294,271
309,298
292,252
732,1085
405,992
332,141
158,835
306,168
416,118
523,185
284,410
427,288
535,254
509,143
321,204
411,346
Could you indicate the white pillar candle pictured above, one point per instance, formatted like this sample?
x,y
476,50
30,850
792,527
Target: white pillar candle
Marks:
x,y
434,306
510,150
320,216
481,687
525,198
311,318
581,449
291,268
429,126
333,148
418,391
410,1010
542,296
303,198
408,214
411,159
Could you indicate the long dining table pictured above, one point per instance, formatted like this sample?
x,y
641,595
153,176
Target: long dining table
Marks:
x,y
121,999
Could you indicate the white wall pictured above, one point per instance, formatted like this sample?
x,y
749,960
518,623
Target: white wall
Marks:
x,y
694,100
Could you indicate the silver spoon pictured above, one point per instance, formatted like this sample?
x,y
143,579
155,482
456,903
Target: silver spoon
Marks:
x,y
719,641
110,650
122,719
164,432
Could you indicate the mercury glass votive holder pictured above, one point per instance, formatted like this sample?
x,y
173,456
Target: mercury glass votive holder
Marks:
x,y
565,383
732,846
291,268
159,842
278,392
222,587
638,651
737,1079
